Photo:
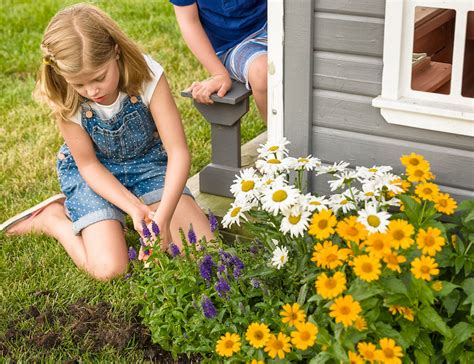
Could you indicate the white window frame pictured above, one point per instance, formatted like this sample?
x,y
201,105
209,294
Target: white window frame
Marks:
x,y
401,105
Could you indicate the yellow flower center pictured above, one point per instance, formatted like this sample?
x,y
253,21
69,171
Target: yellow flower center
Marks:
x,y
235,211
294,219
273,161
282,258
303,160
293,316
343,202
378,244
229,344
369,355
345,310
429,240
369,194
392,259
443,203
273,148
419,173
278,345
352,231
388,353
367,267
247,185
331,283
427,191
398,234
305,336
322,224
425,269
373,220
279,196
414,161
373,169
258,335
331,257
315,203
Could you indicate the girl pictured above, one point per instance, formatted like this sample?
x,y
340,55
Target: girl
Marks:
x,y
125,149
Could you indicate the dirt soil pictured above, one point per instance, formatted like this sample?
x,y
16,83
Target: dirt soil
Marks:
x,y
92,327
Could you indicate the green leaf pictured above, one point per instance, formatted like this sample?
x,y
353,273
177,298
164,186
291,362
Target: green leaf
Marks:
x,y
466,205
451,302
321,358
387,330
430,319
302,294
448,287
468,286
421,357
422,291
409,331
463,331
467,357
469,217
361,290
423,343
394,285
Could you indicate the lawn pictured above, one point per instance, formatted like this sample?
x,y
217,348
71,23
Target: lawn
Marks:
x,y
44,299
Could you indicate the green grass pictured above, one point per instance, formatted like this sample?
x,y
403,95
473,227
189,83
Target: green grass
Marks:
x,y
29,141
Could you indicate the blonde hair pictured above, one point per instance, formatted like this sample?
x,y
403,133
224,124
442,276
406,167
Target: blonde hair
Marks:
x,y
79,37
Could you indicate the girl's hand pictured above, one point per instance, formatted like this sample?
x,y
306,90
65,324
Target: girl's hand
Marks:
x,y
203,90
138,215
165,231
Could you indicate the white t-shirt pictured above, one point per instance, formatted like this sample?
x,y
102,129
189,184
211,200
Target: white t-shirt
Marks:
x,y
108,111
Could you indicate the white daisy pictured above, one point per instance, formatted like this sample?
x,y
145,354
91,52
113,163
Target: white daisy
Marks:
x,y
279,197
272,165
336,167
372,220
267,181
343,178
304,163
368,173
235,213
280,257
369,192
273,149
390,181
295,221
316,203
246,185
342,202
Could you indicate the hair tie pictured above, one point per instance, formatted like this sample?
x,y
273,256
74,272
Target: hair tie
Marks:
x,y
48,59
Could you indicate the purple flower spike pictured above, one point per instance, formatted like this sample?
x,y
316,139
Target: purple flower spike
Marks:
x,y
221,268
205,268
213,221
222,287
155,228
142,242
255,283
174,250
145,230
132,253
192,236
208,308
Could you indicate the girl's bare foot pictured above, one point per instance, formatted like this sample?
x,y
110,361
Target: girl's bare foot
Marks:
x,y
39,222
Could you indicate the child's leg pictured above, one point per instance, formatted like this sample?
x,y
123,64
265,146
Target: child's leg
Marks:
x,y
101,250
258,82
188,212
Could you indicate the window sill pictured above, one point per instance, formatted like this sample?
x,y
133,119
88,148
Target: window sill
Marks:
x,y
447,118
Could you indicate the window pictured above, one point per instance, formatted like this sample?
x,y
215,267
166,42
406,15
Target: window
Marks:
x,y
428,76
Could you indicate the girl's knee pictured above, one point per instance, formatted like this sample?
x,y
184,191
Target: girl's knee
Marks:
x,y
107,270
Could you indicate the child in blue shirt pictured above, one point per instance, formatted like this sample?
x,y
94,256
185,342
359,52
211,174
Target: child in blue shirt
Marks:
x,y
229,38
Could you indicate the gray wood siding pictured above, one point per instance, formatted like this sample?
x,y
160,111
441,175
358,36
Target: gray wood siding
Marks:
x,y
347,75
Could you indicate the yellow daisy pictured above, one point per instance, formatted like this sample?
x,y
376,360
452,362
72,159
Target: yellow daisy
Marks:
x,y
437,286
400,232
412,159
367,267
256,361
393,261
228,344
378,244
328,255
354,358
405,311
424,267
351,230
419,173
278,345
345,310
322,224
389,353
429,241
445,203
360,324
304,336
330,287
428,191
292,314
367,351
257,334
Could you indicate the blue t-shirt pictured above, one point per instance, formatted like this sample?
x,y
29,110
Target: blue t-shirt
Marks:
x,y
227,22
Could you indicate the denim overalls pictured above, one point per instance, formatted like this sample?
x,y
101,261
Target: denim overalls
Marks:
x,y
128,145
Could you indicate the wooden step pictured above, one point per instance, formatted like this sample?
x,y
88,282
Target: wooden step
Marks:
x,y
431,77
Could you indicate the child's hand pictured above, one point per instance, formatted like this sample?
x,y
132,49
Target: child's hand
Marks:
x,y
202,90
140,214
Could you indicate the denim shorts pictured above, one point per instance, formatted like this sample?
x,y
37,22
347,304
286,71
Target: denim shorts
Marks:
x,y
143,176
237,59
